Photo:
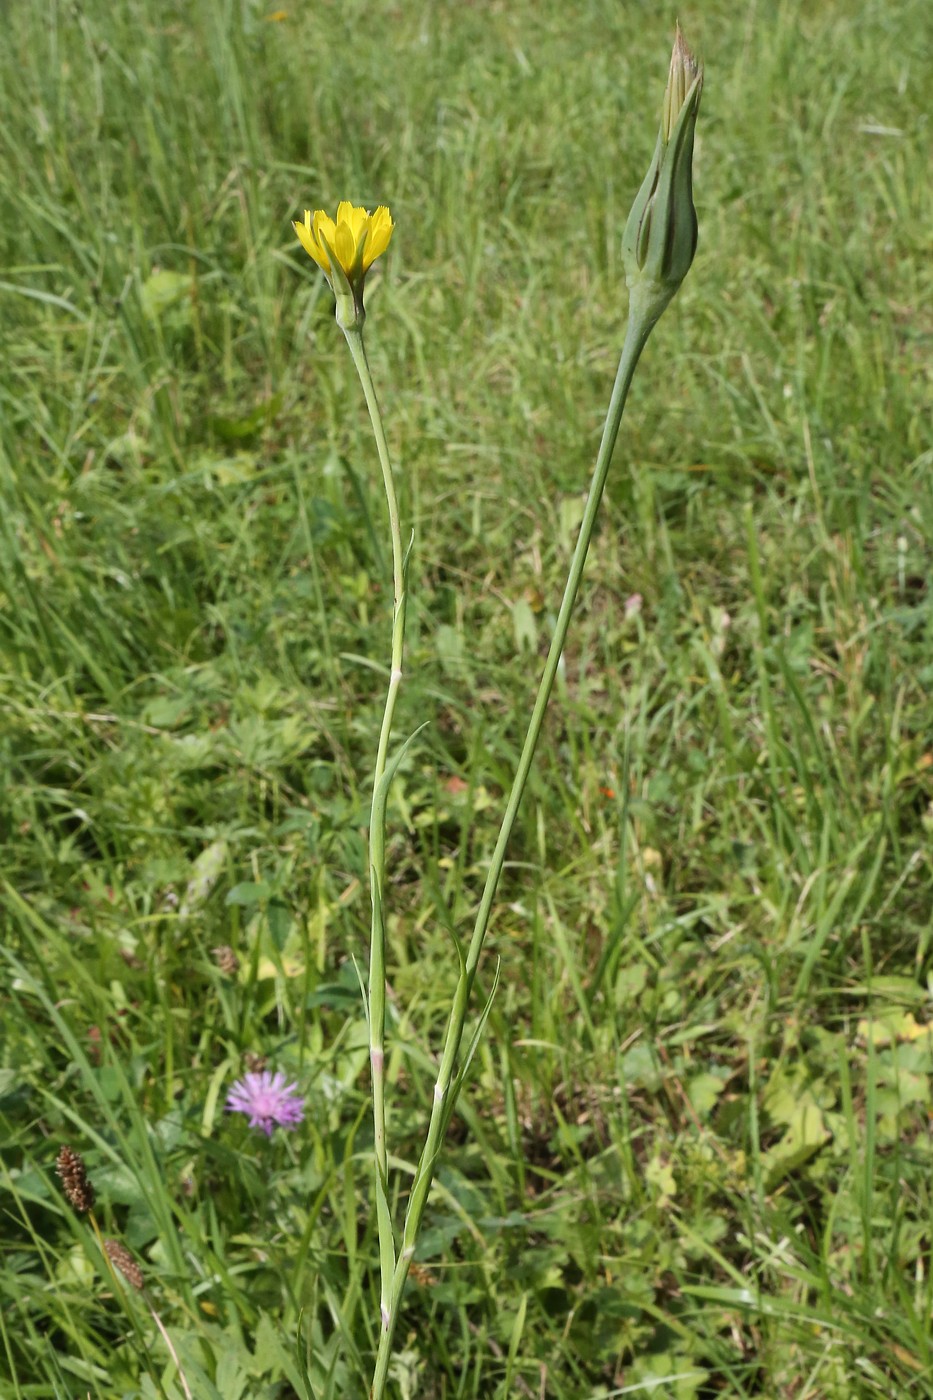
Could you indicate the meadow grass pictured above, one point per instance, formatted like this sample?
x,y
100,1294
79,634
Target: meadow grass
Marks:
x,y
694,1157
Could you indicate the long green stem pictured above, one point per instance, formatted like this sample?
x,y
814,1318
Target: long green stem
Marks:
x,y
637,332
377,833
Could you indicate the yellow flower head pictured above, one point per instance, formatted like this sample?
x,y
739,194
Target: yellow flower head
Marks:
x,y
354,241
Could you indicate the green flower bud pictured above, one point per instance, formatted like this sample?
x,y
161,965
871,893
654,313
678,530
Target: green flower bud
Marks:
x,y
660,236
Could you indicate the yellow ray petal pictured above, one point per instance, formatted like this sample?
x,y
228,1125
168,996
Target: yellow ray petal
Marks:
x,y
357,219
324,224
307,241
380,232
344,247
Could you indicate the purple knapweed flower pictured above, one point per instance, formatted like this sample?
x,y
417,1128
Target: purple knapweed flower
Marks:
x,y
268,1101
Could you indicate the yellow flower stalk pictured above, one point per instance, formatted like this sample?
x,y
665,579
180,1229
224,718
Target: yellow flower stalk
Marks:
x,y
345,249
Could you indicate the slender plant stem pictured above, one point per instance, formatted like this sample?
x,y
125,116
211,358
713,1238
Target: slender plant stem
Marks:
x,y
376,1003
636,335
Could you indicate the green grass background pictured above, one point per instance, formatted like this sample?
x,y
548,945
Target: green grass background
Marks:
x,y
695,1156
